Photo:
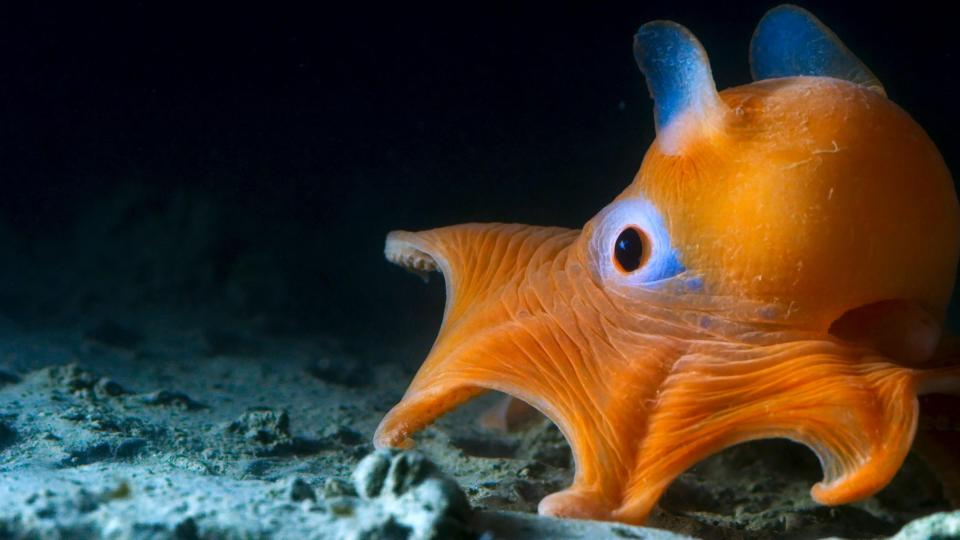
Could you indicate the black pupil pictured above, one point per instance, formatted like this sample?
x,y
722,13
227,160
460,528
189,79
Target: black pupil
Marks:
x,y
629,250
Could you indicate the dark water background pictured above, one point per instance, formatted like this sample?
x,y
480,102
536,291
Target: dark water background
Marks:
x,y
252,158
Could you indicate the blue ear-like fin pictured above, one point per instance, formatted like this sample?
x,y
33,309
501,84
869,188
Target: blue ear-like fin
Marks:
x,y
679,79
789,41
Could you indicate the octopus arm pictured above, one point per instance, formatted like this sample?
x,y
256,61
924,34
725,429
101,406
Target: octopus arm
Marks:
x,y
476,259
859,415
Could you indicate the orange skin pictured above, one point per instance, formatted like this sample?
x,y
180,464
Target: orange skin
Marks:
x,y
819,233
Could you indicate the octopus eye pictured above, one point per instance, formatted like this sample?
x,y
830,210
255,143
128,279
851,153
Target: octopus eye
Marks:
x,y
629,250
630,246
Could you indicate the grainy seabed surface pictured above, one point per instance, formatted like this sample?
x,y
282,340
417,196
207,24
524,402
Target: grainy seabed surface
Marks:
x,y
142,432
131,408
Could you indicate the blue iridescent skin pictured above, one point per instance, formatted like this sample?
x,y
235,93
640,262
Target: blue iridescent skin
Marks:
x,y
789,41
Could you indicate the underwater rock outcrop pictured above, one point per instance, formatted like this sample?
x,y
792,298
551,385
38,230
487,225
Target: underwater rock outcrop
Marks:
x,y
942,525
402,495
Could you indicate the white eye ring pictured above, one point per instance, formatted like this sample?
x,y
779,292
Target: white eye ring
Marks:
x,y
660,260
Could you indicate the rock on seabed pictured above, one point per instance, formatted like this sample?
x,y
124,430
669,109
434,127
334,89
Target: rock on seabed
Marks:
x,y
942,526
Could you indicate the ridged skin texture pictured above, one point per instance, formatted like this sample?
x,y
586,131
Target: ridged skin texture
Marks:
x,y
809,197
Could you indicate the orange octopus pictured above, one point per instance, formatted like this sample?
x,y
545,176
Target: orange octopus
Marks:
x,y
780,266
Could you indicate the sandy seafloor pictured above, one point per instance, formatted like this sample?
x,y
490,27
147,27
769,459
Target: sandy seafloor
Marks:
x,y
131,430
125,414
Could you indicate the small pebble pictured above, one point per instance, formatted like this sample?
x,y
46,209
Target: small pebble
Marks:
x,y
300,490
336,487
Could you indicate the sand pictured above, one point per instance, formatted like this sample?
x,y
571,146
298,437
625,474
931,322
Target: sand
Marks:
x,y
144,431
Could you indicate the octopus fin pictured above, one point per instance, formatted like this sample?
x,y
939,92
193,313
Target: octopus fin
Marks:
x,y
686,102
789,41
